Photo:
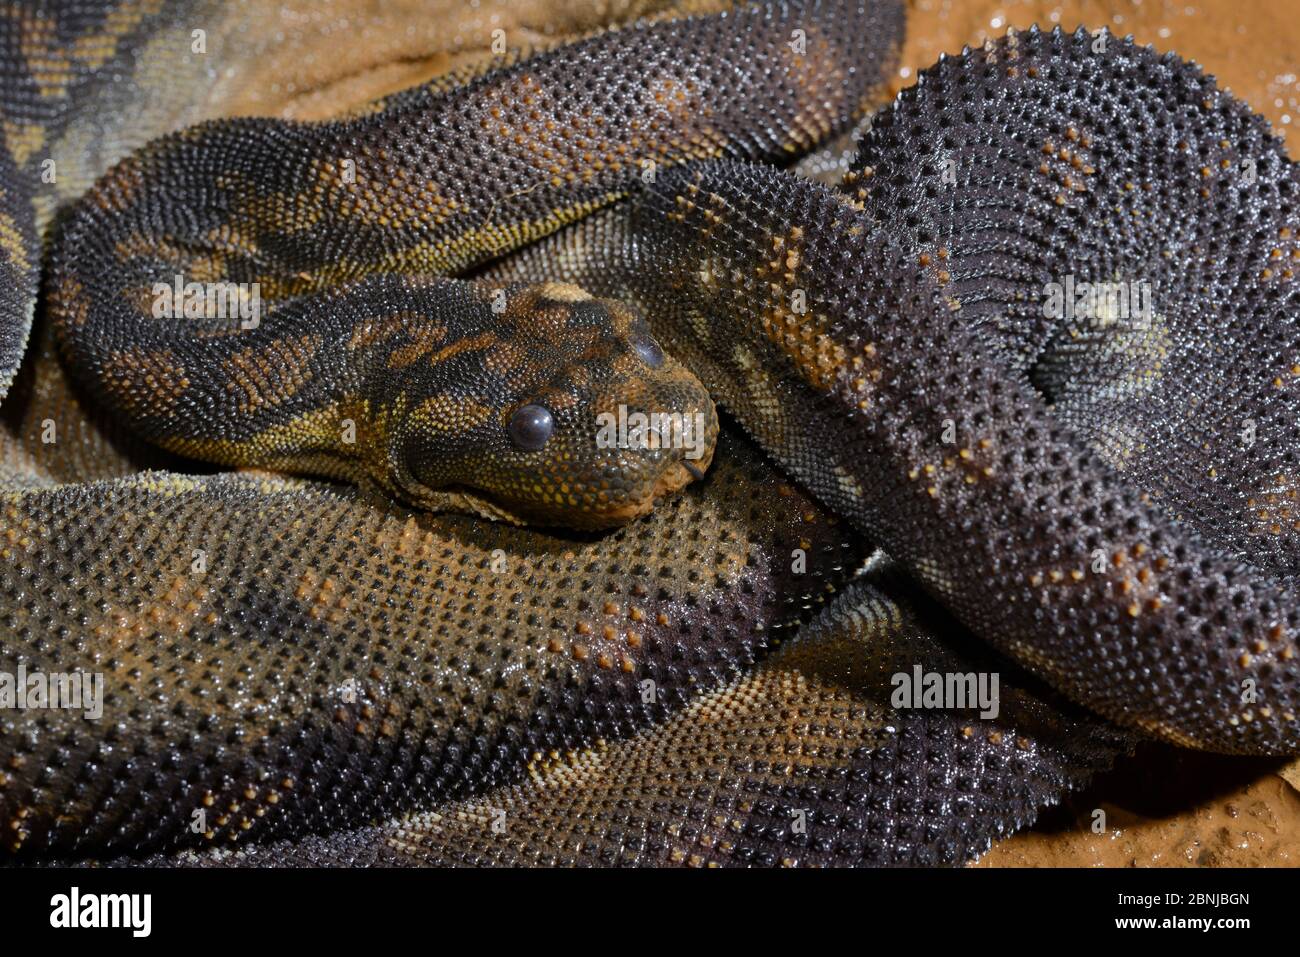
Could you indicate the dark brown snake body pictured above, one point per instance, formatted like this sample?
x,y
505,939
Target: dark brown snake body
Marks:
x,y
346,680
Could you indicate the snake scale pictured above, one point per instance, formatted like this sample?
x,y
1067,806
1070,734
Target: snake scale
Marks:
x,y
385,664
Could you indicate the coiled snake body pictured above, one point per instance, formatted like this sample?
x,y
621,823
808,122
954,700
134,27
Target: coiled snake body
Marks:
x,y
325,675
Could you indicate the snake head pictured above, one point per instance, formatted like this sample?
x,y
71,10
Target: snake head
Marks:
x,y
549,407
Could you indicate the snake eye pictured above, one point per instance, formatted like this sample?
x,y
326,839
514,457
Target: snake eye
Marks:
x,y
530,427
649,351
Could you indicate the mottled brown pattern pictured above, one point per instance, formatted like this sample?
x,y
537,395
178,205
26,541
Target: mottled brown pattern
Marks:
x,y
967,435
146,381
519,645
272,373
763,841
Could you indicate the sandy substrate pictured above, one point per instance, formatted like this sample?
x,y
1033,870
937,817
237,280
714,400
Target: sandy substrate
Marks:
x,y
1168,808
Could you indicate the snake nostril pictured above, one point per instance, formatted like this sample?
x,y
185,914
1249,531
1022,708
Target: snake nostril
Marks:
x,y
531,427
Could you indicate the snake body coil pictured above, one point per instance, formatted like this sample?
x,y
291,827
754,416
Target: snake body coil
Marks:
x,y
332,679
1073,486
295,216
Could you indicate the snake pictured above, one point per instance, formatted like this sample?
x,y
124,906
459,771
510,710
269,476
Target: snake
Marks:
x,y
429,619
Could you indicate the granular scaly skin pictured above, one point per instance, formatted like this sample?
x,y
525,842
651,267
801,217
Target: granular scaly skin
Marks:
x,y
329,678
410,386
334,662
440,182
309,222
286,659
1079,492
19,262
803,761
61,79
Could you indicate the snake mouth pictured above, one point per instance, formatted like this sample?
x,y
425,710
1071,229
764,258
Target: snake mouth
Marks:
x,y
466,500
674,479
681,473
